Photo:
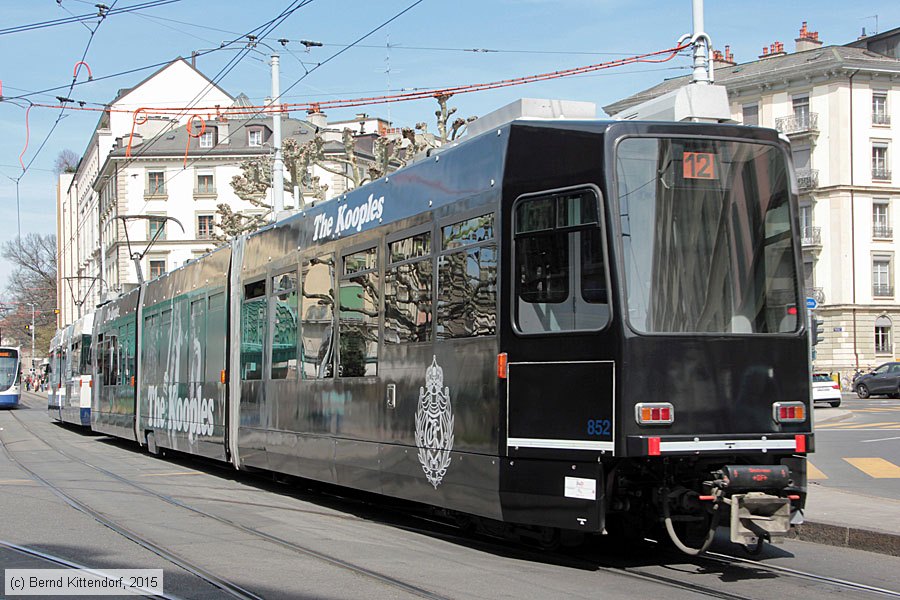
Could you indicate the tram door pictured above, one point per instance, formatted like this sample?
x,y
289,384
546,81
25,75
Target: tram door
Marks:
x,y
560,376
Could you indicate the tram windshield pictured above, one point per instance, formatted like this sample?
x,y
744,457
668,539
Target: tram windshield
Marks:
x,y
9,367
706,236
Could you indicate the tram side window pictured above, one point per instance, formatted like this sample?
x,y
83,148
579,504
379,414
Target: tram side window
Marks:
x,y
317,318
360,314
467,286
85,362
253,330
75,366
408,287
111,362
560,270
284,326
196,339
215,337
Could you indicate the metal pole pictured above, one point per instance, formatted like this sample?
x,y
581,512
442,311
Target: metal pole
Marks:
x,y
701,43
32,336
277,164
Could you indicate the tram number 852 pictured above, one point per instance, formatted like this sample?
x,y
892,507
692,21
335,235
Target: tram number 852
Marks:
x,y
598,427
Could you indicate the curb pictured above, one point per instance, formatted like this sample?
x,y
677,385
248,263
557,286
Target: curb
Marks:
x,y
845,536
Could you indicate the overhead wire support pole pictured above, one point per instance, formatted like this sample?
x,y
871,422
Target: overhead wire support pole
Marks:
x,y
277,162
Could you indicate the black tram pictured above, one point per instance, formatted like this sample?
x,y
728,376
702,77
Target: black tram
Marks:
x,y
552,327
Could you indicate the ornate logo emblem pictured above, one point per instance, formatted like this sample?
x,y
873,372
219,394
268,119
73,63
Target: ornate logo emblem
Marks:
x,y
434,425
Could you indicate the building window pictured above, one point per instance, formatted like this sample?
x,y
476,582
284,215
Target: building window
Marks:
x,y
156,183
881,276
801,110
208,138
156,228
881,224
205,184
157,267
254,137
880,162
883,335
205,224
880,114
751,114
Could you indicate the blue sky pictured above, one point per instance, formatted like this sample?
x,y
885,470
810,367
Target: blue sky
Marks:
x,y
428,49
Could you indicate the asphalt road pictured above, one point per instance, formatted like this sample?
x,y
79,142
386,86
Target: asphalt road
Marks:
x,y
860,452
299,541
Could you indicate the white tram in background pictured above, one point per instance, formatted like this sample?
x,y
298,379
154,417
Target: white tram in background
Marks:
x,y
10,377
69,392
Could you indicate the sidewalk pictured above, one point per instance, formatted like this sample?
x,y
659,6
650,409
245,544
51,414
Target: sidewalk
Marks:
x,y
849,519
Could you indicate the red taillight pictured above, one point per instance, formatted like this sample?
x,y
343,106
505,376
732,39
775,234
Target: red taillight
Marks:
x,y
836,386
789,412
792,310
800,441
654,413
653,446
501,365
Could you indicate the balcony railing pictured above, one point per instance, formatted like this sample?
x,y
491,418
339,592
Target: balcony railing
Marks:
x,y
881,119
796,124
882,231
881,174
812,236
880,289
807,179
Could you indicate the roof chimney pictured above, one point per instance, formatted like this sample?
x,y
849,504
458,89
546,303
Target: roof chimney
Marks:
x,y
863,35
808,40
775,49
222,124
316,117
723,60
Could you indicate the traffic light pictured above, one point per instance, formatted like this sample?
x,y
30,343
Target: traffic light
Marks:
x,y
27,328
817,329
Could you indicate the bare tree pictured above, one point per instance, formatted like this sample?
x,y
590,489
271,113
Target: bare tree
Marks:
x,y
66,162
33,280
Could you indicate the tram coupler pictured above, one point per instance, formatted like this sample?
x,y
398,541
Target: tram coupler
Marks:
x,y
759,508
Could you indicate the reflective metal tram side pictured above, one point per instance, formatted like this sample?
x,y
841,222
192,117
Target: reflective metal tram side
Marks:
x,y
114,368
75,402
555,326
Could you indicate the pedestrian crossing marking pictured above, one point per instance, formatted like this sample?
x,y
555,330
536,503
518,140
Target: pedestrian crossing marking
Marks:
x,y
878,468
812,472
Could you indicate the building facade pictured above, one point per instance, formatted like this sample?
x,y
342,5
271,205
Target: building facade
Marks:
x,y
835,104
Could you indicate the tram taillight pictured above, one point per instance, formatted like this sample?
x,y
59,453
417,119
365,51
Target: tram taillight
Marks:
x,y
654,413
789,412
501,365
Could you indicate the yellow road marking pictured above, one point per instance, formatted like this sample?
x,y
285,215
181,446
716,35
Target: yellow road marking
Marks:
x,y
814,473
16,481
167,474
867,425
876,467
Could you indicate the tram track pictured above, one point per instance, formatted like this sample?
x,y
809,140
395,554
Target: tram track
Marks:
x,y
304,550
436,528
69,564
233,590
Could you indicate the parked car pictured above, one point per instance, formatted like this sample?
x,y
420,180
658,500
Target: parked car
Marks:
x,y
826,389
883,380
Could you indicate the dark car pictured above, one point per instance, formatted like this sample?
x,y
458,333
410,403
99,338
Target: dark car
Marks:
x,y
883,380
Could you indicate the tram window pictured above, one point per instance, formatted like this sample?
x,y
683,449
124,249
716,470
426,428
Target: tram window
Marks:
x,y
560,269
253,330
408,286
85,363
195,341
360,315
284,330
215,337
317,318
467,296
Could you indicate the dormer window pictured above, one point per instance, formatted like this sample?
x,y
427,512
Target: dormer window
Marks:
x,y
254,137
208,138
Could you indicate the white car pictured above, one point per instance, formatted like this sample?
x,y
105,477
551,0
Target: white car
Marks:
x,y
826,389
